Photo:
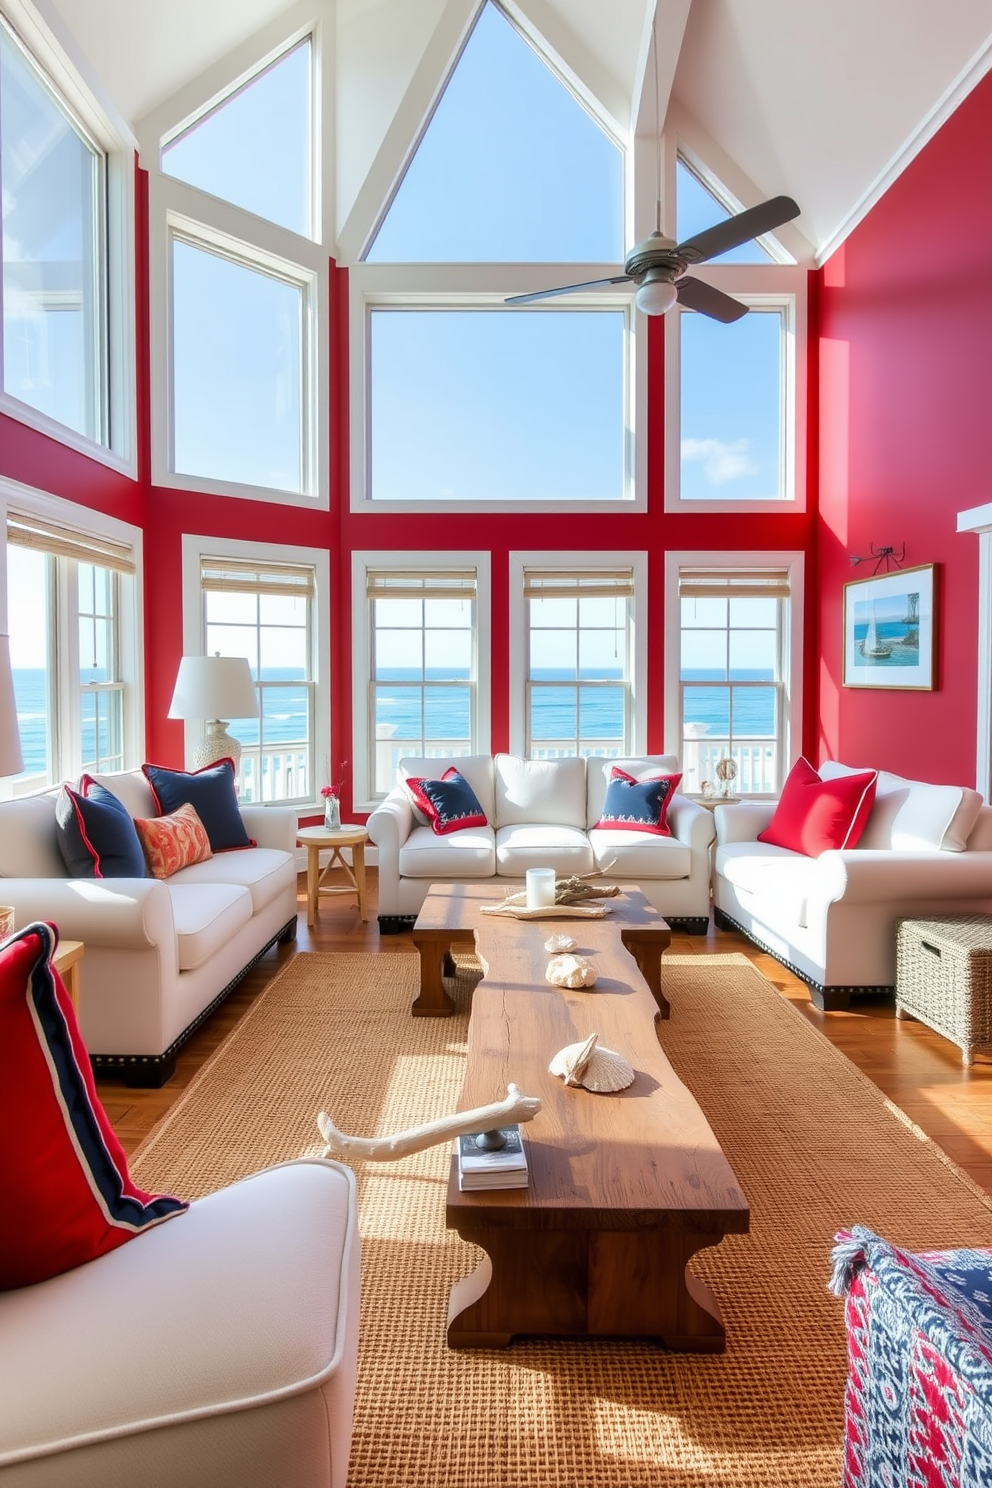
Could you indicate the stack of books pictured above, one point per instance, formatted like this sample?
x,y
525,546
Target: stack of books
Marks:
x,y
480,1168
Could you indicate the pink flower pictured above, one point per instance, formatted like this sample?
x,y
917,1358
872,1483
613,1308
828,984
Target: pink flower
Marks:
x,y
334,790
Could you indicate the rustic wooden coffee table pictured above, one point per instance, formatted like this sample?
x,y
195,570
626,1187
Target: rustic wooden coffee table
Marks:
x,y
450,916
624,1188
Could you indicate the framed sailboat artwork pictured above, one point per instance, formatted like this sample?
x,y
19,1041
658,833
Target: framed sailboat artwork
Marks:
x,y
890,630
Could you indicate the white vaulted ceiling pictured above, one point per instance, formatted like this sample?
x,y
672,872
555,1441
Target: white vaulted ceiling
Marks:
x,y
825,102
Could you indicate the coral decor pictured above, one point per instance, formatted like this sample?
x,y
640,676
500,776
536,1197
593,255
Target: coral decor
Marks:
x,y
173,842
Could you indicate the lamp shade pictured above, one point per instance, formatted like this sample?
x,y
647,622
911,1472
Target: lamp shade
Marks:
x,y
214,687
11,757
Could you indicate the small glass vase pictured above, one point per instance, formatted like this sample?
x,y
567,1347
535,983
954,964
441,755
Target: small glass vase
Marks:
x,y
332,813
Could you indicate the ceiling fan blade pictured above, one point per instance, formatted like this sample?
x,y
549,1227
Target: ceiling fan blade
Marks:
x,y
694,294
547,294
737,230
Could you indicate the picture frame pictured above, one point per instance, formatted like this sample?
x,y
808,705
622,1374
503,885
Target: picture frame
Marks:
x,y
890,630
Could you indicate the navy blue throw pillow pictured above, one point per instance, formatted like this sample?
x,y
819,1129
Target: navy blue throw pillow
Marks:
x,y
638,805
449,803
211,791
96,836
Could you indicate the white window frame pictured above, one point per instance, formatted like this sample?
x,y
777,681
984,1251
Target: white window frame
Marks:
x,y
65,640
251,240
567,563
792,641
246,255
197,546
468,286
363,746
71,80
748,283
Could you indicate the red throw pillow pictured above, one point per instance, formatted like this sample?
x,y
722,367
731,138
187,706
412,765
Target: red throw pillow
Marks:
x,y
814,815
67,1196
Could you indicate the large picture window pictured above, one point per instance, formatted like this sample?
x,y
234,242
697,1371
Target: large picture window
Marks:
x,y
266,612
240,334
54,252
72,614
475,406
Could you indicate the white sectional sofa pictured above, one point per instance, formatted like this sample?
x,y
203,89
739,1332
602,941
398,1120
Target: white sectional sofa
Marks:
x,y
160,954
926,850
542,814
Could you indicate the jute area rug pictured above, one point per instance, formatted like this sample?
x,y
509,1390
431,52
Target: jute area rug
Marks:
x,y
814,1145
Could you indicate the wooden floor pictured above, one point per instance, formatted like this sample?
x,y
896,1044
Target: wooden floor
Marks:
x,y
919,1071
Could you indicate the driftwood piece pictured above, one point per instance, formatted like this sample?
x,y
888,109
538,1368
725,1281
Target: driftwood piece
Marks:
x,y
514,1108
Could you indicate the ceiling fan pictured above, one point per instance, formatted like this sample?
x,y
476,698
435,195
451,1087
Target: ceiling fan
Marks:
x,y
657,266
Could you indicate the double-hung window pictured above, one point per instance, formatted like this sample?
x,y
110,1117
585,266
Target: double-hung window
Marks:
x,y
266,612
578,666
72,619
423,681
733,685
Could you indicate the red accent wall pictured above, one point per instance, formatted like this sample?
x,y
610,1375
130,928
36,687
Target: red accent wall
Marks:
x,y
905,377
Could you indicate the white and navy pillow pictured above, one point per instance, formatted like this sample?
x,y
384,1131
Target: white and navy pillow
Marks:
x,y
96,834
638,805
449,804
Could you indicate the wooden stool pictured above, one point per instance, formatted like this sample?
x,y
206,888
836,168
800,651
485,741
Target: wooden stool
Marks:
x,y
66,961
317,840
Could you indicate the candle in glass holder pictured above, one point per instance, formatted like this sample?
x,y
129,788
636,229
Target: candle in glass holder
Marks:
x,y
540,888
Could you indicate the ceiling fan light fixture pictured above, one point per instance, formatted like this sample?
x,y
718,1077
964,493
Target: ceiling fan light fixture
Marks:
x,y
656,296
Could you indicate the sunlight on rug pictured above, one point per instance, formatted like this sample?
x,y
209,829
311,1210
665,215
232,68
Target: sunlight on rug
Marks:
x,y
811,1140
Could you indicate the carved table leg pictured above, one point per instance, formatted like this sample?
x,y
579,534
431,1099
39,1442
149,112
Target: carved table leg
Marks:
x,y
585,1283
647,954
433,1001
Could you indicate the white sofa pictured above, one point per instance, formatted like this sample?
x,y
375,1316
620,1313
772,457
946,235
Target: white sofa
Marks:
x,y
160,953
926,850
219,1348
542,814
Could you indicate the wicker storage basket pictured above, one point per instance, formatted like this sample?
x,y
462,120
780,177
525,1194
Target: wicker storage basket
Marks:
x,y
944,978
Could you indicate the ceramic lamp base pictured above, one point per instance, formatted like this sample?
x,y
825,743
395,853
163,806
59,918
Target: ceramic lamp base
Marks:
x,y
216,744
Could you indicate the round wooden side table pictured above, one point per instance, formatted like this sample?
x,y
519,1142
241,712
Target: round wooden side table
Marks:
x,y
321,839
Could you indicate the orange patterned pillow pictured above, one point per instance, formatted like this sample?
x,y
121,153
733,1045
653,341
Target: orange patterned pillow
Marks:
x,y
173,842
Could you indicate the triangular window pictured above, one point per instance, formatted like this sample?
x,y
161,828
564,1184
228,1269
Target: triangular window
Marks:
x,y
511,167
253,148
696,207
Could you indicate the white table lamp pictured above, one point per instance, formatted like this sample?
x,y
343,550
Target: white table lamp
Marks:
x,y
214,688
11,755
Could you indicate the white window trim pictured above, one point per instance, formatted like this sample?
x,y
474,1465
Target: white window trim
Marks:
x,y
264,250
363,748
131,633
471,287
67,75
792,660
197,546
759,285
569,562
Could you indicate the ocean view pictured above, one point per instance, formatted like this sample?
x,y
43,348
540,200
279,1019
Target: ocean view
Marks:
x,y
446,711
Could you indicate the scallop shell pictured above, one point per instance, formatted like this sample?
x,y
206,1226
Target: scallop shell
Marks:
x,y
555,944
596,1069
570,971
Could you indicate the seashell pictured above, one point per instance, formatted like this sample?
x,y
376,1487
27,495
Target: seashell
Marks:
x,y
570,971
596,1069
555,944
